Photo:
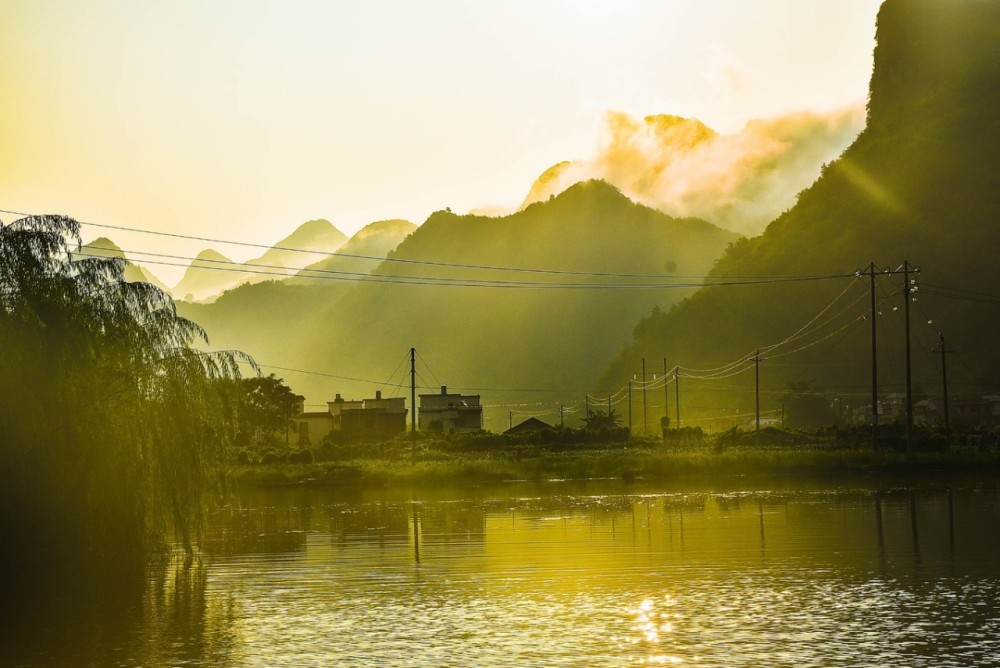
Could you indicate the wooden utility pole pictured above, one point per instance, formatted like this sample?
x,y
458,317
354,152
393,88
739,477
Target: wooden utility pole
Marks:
x,y
944,381
644,431
756,376
871,275
413,390
666,396
907,290
630,406
677,393
413,405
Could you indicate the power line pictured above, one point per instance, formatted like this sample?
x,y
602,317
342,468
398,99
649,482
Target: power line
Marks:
x,y
700,281
358,277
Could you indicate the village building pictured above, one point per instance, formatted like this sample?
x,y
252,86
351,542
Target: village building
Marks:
x,y
450,413
375,419
982,413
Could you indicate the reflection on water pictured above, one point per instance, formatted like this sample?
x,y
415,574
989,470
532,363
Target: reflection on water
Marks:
x,y
518,578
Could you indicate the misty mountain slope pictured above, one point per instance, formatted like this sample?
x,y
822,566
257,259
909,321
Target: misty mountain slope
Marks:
x,y
264,317
204,279
316,235
375,240
212,273
921,183
522,335
261,319
739,181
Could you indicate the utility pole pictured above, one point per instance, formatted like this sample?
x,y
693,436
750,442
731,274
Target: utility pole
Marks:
x,y
870,272
644,431
666,397
561,415
510,419
413,390
630,407
413,405
944,380
587,400
677,393
756,377
907,291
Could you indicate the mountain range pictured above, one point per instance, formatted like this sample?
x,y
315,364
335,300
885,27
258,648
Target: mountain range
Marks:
x,y
542,306
212,273
533,304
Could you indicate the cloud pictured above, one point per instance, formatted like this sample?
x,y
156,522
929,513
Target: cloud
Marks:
x,y
739,181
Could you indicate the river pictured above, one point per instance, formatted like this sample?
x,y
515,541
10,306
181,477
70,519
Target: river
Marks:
x,y
596,573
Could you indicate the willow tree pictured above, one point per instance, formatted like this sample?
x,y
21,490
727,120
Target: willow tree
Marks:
x,y
111,424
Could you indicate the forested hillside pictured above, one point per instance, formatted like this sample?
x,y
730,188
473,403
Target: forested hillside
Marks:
x,y
922,184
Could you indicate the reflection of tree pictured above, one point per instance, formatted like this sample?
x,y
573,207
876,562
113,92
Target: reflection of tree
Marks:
x,y
171,619
265,530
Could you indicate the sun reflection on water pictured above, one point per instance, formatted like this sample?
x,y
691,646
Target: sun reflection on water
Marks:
x,y
653,626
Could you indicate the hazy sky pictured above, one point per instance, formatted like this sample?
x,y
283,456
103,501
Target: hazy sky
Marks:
x,y
245,119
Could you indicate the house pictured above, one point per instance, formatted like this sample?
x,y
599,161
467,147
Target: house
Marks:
x,y
353,421
376,419
983,413
531,424
311,428
450,413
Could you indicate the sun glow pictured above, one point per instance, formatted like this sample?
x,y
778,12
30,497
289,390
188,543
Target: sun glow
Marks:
x,y
652,627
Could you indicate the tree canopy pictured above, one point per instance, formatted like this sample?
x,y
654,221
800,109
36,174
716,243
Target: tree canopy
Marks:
x,y
111,419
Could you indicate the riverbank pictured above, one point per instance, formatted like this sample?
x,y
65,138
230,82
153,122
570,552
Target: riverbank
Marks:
x,y
628,462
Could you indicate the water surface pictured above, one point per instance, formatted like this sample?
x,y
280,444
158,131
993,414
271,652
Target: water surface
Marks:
x,y
563,575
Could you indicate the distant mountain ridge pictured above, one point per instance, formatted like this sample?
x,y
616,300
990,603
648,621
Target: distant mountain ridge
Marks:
x,y
211,273
360,254
470,294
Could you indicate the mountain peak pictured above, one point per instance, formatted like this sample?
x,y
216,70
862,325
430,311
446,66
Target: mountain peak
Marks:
x,y
317,234
106,247
679,131
210,256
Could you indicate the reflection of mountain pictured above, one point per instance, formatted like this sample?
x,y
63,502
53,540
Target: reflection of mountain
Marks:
x,y
211,273
104,247
921,183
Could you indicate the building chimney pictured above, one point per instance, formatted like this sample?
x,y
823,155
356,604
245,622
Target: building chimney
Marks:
x,y
444,389
338,399
378,394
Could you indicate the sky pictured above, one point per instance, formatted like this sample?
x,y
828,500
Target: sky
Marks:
x,y
242,120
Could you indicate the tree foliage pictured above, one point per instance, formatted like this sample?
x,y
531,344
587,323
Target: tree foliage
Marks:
x,y
110,419
264,408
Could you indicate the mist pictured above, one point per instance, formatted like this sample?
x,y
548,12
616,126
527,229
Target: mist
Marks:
x,y
738,181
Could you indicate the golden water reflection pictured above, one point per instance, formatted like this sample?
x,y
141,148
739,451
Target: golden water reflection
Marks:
x,y
555,577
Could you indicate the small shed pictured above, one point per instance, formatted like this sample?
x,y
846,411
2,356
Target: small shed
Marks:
x,y
531,424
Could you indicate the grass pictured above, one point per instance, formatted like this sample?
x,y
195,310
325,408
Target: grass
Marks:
x,y
479,461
